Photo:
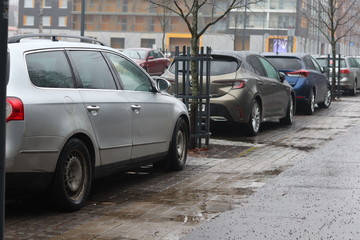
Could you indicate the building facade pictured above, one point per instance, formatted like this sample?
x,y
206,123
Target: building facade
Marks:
x,y
271,25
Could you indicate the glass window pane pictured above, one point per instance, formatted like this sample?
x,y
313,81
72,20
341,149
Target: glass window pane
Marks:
x,y
270,70
49,69
28,20
285,62
28,3
132,77
93,71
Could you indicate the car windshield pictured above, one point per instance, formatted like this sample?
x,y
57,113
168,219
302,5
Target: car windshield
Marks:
x,y
285,62
135,54
219,65
323,62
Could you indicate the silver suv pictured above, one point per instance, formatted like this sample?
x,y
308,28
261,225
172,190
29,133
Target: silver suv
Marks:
x,y
77,111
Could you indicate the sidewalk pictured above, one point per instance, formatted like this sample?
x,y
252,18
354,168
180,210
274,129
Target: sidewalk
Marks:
x,y
318,198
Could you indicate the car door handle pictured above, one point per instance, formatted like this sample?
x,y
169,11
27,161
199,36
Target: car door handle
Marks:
x,y
274,84
260,83
136,108
93,109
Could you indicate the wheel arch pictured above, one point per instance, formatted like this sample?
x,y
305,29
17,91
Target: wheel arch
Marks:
x,y
89,144
259,100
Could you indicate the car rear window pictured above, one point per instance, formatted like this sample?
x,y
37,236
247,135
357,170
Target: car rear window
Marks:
x,y
285,62
135,54
49,69
219,65
323,62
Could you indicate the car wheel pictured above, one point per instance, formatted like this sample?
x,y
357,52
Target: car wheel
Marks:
x,y
353,91
72,180
253,125
288,119
310,106
327,101
176,158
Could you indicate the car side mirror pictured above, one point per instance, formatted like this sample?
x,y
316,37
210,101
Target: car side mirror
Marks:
x,y
150,58
162,84
282,76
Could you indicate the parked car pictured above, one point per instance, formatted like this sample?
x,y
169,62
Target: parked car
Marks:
x,y
245,88
77,111
349,72
307,78
152,60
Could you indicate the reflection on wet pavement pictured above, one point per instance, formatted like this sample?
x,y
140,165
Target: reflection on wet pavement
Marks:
x,y
145,204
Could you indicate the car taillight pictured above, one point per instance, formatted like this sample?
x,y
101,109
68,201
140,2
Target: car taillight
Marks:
x,y
345,71
14,109
300,73
237,84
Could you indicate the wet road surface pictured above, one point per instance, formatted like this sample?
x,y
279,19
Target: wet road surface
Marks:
x,y
145,204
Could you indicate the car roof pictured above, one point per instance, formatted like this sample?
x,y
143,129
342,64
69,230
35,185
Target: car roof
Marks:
x,y
146,49
235,54
27,42
272,54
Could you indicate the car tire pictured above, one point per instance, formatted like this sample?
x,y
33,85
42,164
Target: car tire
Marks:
x,y
288,119
310,106
327,101
253,125
72,179
176,159
353,91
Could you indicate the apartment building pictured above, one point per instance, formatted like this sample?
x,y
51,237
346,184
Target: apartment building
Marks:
x,y
44,15
271,25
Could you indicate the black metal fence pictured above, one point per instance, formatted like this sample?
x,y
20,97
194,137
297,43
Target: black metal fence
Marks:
x,y
337,61
184,90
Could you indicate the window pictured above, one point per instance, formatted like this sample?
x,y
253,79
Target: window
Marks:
x,y
270,70
122,22
29,3
285,62
125,6
317,66
158,54
219,65
63,3
49,69
28,20
132,77
46,21
257,66
308,63
117,43
63,21
93,71
147,42
47,3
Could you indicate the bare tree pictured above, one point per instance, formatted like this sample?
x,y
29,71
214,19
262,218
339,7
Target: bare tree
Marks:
x,y
335,19
189,11
164,19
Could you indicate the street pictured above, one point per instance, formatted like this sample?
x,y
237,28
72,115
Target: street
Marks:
x,y
144,204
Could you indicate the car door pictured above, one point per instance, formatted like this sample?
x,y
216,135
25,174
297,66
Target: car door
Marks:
x,y
151,62
322,81
107,107
263,85
151,110
278,93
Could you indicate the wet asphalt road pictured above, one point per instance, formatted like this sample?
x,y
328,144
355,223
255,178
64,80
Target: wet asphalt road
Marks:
x,y
237,172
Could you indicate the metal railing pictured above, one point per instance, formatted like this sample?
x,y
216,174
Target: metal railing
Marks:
x,y
183,90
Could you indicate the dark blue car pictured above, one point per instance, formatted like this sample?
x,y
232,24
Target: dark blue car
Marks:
x,y
307,78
